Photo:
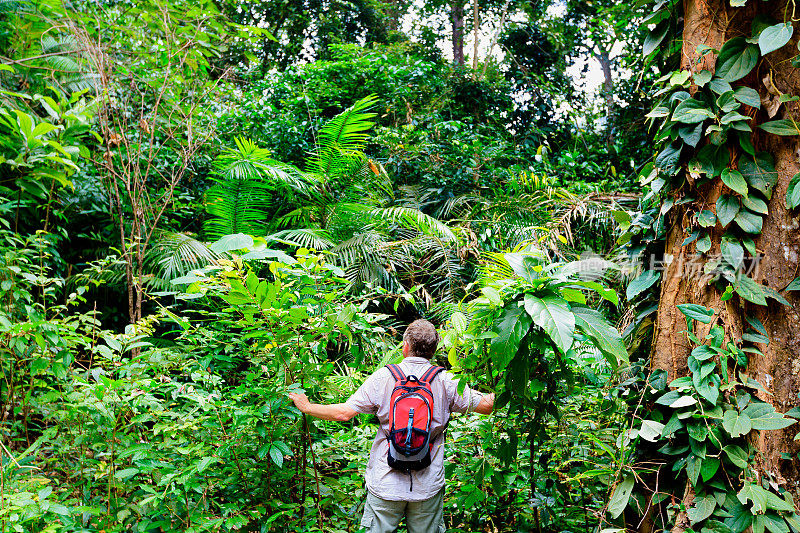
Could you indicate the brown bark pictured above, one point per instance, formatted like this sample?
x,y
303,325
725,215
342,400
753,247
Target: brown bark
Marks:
x,y
457,18
712,22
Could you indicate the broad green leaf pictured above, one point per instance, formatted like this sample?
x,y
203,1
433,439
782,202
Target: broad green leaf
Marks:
x,y
623,219
740,518
702,77
619,499
654,38
757,325
726,102
553,315
602,334
703,243
749,222
603,291
785,126
492,295
693,465
727,208
673,425
769,292
720,86
697,430
691,111
755,204
458,321
691,135
732,252
763,416
126,473
793,192
736,59
749,289
276,454
772,522
748,96
668,397
706,218
736,424
759,171
794,285
703,353
709,389
667,159
658,112
237,298
756,494
643,282
512,325
736,455
683,401
696,312
204,462
775,37
228,243
651,430
735,117
702,508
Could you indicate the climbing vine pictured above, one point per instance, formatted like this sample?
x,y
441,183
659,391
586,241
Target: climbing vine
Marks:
x,y
690,463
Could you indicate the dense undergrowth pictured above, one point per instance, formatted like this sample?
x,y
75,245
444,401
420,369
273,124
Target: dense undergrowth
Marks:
x,y
192,226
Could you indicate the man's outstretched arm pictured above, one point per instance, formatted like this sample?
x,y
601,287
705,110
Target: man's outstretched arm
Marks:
x,y
486,405
337,412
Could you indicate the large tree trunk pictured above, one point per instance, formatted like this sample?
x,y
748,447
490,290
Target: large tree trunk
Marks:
x,y
457,18
712,22
608,95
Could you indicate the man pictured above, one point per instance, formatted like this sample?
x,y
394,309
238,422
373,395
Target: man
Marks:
x,y
390,493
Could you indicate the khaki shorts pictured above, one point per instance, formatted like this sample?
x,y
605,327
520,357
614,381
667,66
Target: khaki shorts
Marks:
x,y
383,516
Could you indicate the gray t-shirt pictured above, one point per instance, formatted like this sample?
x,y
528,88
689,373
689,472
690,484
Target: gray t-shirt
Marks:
x,y
373,397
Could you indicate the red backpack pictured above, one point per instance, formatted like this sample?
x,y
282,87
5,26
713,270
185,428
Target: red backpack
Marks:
x,y
411,410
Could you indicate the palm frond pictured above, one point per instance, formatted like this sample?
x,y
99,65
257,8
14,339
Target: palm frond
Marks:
x,y
173,255
312,238
496,266
362,247
416,219
242,198
340,140
237,206
15,6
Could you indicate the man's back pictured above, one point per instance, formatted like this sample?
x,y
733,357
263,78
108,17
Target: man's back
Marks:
x,y
374,397
392,494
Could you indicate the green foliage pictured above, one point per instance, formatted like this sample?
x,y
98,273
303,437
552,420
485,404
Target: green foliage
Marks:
x,y
703,424
530,334
193,434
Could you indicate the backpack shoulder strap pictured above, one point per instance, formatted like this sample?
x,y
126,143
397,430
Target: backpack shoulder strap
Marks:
x,y
431,374
397,374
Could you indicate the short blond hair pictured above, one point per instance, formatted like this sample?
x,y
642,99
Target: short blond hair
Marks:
x,y
422,339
